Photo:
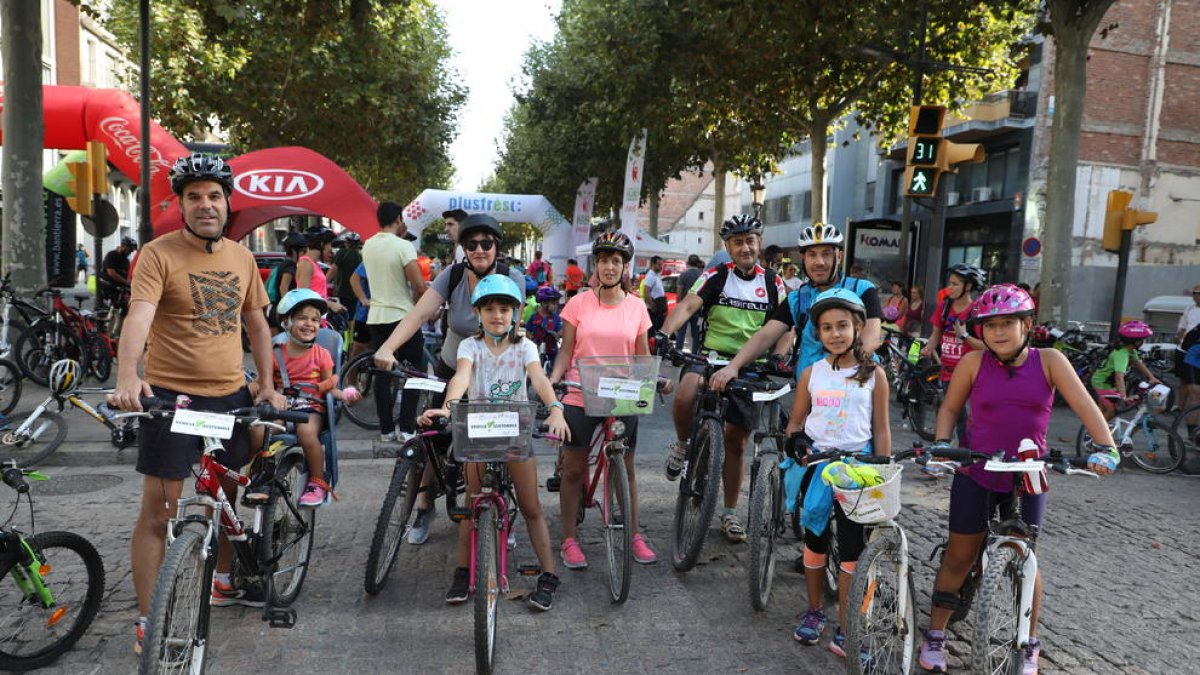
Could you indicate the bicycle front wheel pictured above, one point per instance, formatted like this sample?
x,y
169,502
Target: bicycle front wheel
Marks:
x,y
34,443
287,535
994,648
36,630
1155,448
925,397
176,637
698,488
44,343
358,373
487,590
10,386
618,527
100,360
881,613
765,515
393,523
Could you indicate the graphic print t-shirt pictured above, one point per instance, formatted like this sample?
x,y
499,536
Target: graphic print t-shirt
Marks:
x,y
195,343
499,376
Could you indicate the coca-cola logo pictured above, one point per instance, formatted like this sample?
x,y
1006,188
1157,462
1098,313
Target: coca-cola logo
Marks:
x,y
278,184
118,129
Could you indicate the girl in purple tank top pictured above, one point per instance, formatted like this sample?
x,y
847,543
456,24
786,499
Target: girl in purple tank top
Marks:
x,y
1010,387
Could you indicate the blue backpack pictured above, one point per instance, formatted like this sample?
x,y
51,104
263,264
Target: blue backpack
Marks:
x,y
809,347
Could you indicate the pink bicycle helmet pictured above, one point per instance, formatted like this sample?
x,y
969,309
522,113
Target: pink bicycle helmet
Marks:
x,y
1134,330
999,300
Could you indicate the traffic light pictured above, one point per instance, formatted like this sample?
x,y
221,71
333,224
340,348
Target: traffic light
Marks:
x,y
97,159
80,185
930,155
1118,217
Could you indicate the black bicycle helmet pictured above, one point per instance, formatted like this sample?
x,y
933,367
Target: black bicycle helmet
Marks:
x,y
129,241
318,235
200,166
741,224
969,273
294,241
613,242
479,222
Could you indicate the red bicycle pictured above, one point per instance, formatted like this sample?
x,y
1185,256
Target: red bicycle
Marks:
x,y
66,333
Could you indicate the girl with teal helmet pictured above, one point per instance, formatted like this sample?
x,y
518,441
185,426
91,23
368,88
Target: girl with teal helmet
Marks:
x,y
491,368
292,302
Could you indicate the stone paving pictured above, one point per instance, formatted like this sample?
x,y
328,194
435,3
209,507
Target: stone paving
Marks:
x,y
1121,559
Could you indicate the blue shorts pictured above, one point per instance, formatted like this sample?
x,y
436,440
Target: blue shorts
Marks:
x,y
972,506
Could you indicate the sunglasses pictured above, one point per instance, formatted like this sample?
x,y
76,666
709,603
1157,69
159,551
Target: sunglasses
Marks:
x,y
485,244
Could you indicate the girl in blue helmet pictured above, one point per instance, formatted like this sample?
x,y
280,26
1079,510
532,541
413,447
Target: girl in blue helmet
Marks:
x,y
494,364
300,312
841,404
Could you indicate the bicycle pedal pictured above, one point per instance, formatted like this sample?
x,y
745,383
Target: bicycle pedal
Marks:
x,y
459,513
255,498
529,569
280,617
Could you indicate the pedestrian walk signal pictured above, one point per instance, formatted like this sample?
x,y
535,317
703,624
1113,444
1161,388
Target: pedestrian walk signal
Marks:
x,y
920,181
924,151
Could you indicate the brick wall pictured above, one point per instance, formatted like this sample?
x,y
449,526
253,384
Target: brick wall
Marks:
x,y
66,47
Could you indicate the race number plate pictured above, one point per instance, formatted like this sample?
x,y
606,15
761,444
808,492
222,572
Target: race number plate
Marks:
x,y
493,425
771,395
194,423
619,389
425,384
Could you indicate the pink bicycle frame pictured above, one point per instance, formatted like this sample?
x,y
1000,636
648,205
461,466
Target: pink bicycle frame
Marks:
x,y
490,499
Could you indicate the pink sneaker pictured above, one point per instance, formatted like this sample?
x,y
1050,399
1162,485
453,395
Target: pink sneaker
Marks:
x,y
572,555
641,551
314,493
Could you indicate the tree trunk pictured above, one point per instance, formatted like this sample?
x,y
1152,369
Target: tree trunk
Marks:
x,y
819,142
1073,30
24,225
719,202
654,198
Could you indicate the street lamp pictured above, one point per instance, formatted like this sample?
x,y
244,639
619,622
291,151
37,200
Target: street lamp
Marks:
x,y
758,193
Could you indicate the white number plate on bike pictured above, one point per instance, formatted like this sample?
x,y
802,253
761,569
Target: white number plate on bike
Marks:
x,y
771,395
425,384
619,389
493,425
1028,466
194,423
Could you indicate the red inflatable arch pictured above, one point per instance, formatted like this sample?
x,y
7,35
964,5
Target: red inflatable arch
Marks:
x,y
270,183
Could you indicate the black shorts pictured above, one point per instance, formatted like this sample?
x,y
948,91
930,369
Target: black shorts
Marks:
x,y
972,506
741,412
851,536
362,332
163,454
584,427
1186,374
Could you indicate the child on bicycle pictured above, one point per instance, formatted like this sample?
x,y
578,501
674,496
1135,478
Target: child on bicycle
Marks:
x,y
300,312
1108,382
841,403
609,321
493,366
1010,388
545,326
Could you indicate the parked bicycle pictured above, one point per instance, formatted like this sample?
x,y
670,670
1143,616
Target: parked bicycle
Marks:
x,y
768,507
613,387
272,546
409,381
1147,436
66,332
10,327
51,585
490,435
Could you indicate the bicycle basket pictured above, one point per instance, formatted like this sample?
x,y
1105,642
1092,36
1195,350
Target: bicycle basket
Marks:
x,y
1157,399
874,504
492,432
618,385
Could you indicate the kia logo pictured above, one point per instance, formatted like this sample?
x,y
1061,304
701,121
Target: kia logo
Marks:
x,y
278,184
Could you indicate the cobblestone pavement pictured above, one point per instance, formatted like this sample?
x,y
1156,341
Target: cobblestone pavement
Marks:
x,y
1121,559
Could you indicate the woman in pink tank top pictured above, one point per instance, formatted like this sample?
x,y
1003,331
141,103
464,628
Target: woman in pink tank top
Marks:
x,y
1010,387
309,273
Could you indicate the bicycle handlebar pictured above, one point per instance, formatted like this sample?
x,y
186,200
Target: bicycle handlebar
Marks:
x,y
15,478
154,406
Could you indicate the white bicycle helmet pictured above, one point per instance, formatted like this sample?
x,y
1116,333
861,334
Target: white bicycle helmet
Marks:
x,y
64,377
820,234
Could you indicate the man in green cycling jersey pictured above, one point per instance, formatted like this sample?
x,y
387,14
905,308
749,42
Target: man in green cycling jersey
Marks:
x,y
737,298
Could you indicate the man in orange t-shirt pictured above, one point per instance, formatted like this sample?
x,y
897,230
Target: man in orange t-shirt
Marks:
x,y
191,294
574,278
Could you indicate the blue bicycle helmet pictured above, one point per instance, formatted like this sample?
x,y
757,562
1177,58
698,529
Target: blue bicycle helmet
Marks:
x,y
297,298
837,298
497,286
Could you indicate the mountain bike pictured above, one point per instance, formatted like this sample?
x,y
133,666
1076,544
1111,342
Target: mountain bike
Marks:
x,y
361,373
488,435
1007,564
396,514
32,437
57,335
272,546
613,387
768,512
700,479
51,585
1146,437
11,328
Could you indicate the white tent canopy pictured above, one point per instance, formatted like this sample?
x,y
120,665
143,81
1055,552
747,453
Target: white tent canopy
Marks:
x,y
643,249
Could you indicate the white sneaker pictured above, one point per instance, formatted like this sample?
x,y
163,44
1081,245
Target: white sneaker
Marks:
x,y
389,437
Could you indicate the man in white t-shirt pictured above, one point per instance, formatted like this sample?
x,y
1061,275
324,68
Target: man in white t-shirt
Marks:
x,y
396,283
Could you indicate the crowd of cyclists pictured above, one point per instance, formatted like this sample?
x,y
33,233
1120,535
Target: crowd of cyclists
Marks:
x,y
512,333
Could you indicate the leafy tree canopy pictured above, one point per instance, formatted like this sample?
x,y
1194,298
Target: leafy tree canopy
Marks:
x,y
363,82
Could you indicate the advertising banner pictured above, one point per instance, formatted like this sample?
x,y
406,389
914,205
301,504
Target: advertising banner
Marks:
x,y
634,164
581,223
